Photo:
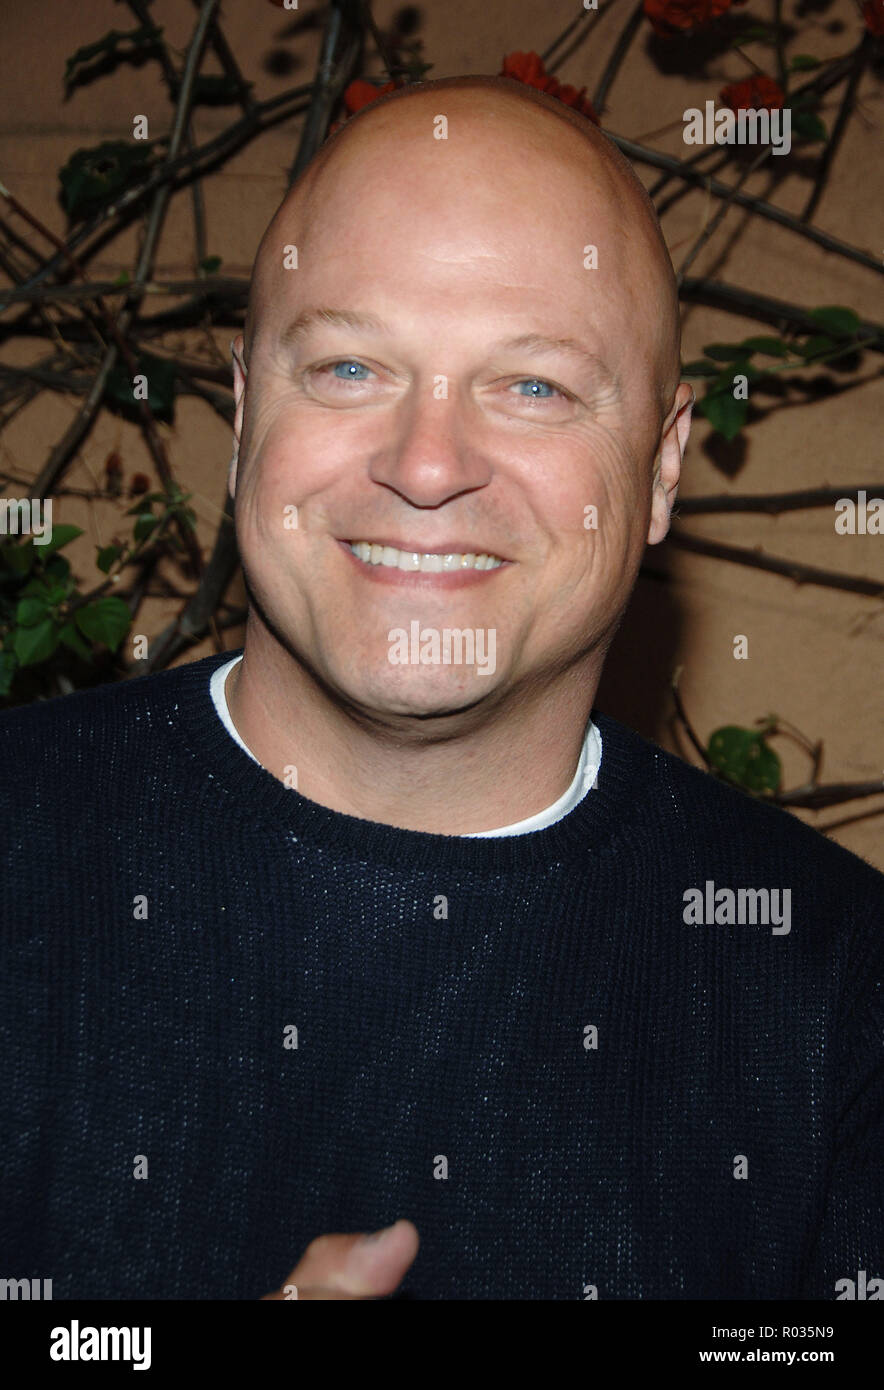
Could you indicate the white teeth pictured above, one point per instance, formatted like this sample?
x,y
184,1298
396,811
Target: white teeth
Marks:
x,y
425,562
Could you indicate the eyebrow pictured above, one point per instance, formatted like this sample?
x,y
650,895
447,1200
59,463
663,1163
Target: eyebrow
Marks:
x,y
334,318
539,343
535,343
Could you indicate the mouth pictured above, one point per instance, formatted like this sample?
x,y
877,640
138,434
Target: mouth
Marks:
x,y
410,560
454,567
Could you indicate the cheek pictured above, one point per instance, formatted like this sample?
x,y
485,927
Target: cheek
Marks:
x,y
589,502
621,479
294,455
586,491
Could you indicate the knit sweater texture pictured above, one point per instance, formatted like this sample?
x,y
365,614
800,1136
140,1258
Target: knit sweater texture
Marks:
x,y
234,1019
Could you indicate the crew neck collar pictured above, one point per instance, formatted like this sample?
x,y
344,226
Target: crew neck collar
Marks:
x,y
590,827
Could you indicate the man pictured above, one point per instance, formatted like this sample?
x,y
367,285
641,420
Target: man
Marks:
x,y
378,926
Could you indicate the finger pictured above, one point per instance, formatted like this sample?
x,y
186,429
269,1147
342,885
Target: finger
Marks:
x,y
303,1295
365,1266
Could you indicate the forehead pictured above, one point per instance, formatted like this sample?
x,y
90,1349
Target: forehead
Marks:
x,y
499,216
501,203
503,157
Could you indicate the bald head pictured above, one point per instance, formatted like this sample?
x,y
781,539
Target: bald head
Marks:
x,y
504,143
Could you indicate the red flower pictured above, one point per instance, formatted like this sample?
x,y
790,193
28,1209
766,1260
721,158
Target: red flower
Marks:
x,y
754,94
873,14
580,102
669,16
528,68
360,93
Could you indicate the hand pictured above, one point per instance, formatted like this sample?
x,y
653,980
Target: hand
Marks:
x,y
351,1266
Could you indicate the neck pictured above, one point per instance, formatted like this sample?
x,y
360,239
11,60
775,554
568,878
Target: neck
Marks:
x,y
476,775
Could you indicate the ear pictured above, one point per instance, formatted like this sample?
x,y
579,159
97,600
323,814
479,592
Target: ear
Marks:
x,y
669,457
240,372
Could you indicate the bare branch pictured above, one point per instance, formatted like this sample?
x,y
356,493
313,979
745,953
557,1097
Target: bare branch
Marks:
x,y
621,48
771,502
860,63
792,569
682,169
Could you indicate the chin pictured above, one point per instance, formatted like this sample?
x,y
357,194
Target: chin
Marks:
x,y
424,696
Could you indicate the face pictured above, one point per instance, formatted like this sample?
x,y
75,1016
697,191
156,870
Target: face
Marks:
x,y
480,389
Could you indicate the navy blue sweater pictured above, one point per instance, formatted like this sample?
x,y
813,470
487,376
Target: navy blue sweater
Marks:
x,y
543,1049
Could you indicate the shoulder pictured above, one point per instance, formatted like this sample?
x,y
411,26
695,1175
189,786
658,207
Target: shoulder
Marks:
x,y
723,823
83,707
98,731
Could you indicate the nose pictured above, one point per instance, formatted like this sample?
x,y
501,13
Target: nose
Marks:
x,y
430,456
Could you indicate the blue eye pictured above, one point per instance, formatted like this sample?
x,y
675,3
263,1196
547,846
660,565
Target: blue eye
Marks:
x,y
351,370
539,390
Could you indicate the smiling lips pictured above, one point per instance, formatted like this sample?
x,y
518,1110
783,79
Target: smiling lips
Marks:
x,y
422,561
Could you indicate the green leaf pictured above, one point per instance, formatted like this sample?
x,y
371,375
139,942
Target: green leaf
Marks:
x,y
95,176
37,587
816,346
60,536
107,554
808,125
699,368
160,373
70,637
31,611
771,347
8,665
146,497
724,413
803,62
57,567
836,318
725,379
113,48
210,264
46,589
34,644
725,352
122,278
105,620
19,558
144,525
743,757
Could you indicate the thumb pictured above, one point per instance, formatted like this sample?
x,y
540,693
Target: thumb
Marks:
x,y
364,1266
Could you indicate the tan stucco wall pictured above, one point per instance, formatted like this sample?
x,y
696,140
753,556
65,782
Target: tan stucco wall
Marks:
x,y
815,655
